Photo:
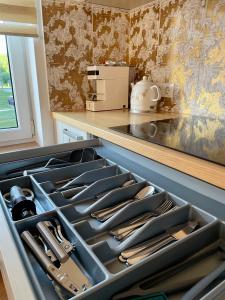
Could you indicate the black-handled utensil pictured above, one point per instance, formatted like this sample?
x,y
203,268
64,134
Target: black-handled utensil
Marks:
x,y
143,287
21,203
194,292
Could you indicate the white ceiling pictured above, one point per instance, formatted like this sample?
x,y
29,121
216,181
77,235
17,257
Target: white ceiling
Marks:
x,y
126,4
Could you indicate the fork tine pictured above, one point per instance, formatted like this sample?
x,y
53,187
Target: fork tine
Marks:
x,y
164,207
168,206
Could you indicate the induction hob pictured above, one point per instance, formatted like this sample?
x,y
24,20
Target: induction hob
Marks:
x,y
197,136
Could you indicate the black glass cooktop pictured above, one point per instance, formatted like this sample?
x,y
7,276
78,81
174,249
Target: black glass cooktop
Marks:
x,y
198,136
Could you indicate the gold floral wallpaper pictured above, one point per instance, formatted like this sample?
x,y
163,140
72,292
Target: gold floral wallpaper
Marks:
x,y
77,35
110,35
187,49
177,41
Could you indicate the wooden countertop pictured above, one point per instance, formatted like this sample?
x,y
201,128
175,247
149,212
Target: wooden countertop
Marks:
x,y
98,123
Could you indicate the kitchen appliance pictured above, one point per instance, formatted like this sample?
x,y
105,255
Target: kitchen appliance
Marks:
x,y
111,85
145,96
197,136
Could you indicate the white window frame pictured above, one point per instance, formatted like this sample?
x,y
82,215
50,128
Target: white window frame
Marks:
x,y
18,67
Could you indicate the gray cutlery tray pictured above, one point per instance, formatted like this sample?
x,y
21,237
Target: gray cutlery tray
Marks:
x,y
96,251
94,232
90,192
70,171
22,165
210,259
108,253
86,178
217,293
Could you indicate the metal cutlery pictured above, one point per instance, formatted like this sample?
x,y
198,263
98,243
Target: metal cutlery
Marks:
x,y
71,193
139,252
125,184
144,287
53,163
75,157
125,229
54,256
106,213
130,232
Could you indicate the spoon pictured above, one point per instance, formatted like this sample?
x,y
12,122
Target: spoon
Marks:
x,y
106,213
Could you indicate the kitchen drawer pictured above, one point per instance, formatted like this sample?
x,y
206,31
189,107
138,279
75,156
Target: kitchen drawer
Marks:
x,y
66,133
96,250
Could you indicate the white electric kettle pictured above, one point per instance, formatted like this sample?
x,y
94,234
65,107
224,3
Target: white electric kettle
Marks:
x,y
144,96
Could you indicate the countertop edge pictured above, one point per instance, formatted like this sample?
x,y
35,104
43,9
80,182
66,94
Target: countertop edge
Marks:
x,y
198,168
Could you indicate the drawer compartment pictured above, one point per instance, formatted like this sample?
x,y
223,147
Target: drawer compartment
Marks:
x,y
40,199
95,232
82,257
93,200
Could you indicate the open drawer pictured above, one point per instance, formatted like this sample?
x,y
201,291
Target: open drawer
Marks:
x,y
78,209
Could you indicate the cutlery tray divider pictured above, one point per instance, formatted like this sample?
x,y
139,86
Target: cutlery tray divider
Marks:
x,y
85,178
82,255
160,261
217,293
70,171
82,210
34,162
90,192
100,260
89,227
109,255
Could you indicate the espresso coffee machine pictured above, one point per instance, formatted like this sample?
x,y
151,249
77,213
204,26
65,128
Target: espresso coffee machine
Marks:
x,y
111,87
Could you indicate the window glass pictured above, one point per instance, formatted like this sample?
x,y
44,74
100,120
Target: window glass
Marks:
x,y
8,117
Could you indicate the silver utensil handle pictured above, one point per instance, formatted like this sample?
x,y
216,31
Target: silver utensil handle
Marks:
x,y
148,251
36,249
204,283
140,247
122,230
106,211
124,235
50,239
113,212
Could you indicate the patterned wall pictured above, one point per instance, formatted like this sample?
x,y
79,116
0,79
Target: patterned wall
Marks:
x,y
110,35
183,42
177,41
78,35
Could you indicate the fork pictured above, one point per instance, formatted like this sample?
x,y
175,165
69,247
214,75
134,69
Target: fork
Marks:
x,y
139,252
140,220
125,229
130,232
106,213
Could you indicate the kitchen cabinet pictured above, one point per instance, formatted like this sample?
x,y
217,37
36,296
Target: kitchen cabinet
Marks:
x,y
66,133
96,250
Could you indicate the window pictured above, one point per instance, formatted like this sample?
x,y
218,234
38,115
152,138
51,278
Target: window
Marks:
x,y
8,117
15,112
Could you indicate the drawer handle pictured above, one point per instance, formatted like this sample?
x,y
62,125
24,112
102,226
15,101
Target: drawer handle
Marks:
x,y
72,135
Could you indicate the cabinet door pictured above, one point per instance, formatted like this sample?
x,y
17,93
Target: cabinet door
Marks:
x,y
66,133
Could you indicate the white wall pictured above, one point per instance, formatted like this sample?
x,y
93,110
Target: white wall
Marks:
x,y
37,73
